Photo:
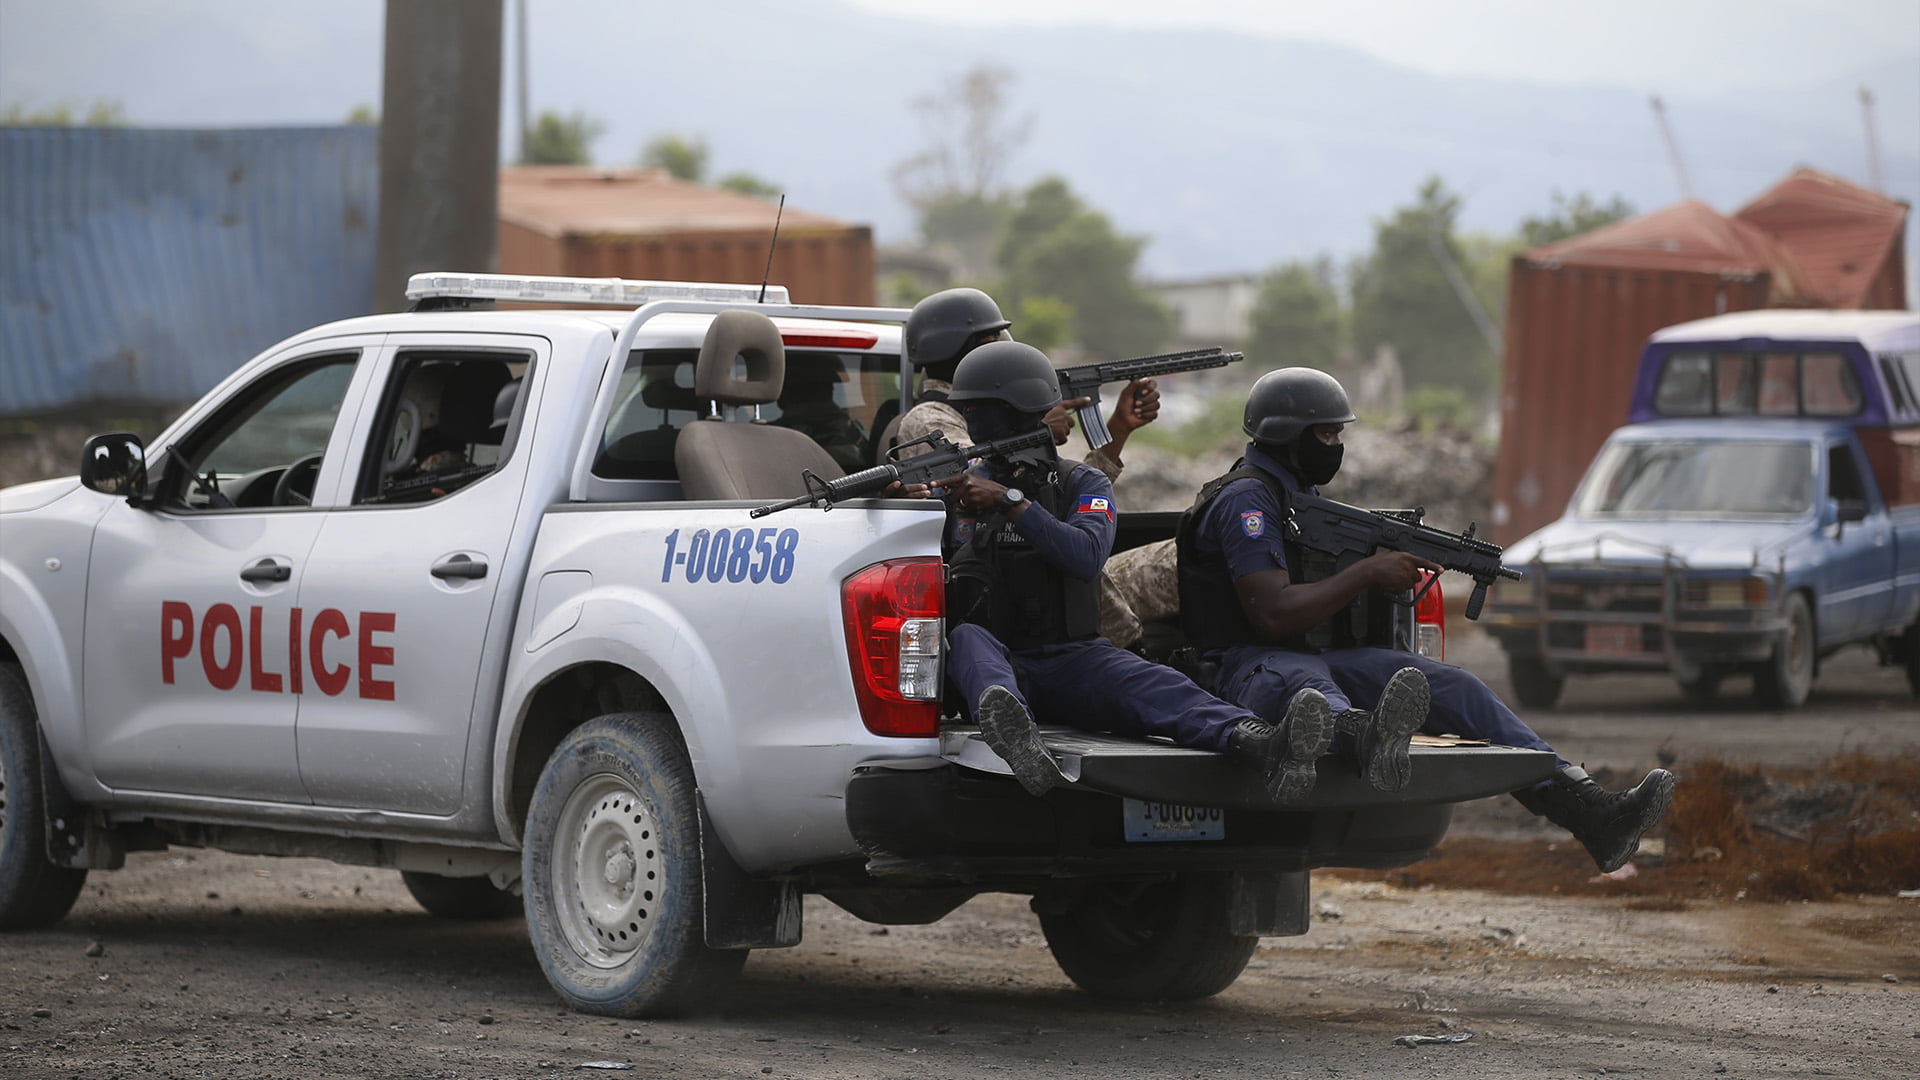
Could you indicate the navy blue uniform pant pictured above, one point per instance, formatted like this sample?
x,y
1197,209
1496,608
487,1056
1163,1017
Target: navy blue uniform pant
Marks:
x,y
1091,685
1264,679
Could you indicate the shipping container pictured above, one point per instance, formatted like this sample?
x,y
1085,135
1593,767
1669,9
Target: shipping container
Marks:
x,y
1579,311
641,223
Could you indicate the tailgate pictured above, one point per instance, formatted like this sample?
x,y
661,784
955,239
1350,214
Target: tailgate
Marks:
x,y
1160,772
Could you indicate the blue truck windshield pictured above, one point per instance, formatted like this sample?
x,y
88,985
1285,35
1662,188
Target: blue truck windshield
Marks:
x,y
1708,478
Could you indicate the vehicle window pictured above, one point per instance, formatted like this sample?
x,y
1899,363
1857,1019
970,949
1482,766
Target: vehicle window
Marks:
x,y
1757,384
831,397
1702,477
1902,376
1829,386
266,447
446,421
1843,476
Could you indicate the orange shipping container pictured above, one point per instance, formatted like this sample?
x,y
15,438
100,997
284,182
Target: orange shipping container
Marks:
x,y
583,221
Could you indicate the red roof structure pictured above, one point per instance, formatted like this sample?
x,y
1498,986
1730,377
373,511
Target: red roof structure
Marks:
x,y
1689,236
1847,242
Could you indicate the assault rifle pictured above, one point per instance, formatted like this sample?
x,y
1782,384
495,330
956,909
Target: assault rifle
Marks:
x,y
1084,381
944,459
1350,534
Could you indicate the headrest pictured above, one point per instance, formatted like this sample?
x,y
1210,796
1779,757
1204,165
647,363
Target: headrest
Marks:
x,y
503,403
660,391
466,406
748,335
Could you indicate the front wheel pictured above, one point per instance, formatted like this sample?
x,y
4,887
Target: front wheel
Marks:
x,y
1535,685
466,898
612,877
33,891
1160,941
1785,681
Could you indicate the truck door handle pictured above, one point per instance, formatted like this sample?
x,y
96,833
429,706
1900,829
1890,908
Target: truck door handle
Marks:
x,y
460,566
267,570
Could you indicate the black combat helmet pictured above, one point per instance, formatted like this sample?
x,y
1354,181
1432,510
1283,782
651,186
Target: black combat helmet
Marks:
x,y
1288,401
1019,375
941,325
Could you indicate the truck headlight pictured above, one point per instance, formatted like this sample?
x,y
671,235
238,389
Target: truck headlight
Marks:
x,y
1748,592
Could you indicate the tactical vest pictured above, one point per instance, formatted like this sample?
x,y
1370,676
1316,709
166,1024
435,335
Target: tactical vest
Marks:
x,y
1210,612
996,580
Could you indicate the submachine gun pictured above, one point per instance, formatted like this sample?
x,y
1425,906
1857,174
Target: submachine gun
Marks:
x,y
1350,534
944,459
1084,381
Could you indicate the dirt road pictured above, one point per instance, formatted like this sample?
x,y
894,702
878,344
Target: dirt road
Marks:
x,y
211,965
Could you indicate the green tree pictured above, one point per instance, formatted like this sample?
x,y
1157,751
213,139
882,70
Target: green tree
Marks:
x,y
562,140
101,113
748,184
1053,245
363,116
1296,317
1571,217
684,157
1404,296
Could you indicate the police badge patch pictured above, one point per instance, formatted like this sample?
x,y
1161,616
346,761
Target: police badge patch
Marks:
x,y
962,530
1253,522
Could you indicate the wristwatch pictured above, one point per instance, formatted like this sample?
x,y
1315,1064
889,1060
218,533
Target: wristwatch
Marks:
x,y
1014,497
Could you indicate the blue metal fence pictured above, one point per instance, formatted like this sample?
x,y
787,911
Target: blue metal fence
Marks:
x,y
145,265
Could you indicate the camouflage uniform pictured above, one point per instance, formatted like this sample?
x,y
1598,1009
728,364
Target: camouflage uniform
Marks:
x,y
1138,585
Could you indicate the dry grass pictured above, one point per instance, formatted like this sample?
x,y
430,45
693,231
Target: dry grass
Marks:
x,y
1850,825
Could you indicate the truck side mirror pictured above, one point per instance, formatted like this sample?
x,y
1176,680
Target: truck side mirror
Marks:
x,y
114,464
1852,510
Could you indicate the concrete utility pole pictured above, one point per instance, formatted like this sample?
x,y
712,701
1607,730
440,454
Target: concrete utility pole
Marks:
x,y
1877,177
439,142
1673,146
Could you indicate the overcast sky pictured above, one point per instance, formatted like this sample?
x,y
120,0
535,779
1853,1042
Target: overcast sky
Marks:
x,y
1678,46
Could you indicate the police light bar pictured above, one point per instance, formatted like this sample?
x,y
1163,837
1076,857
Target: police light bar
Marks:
x,y
611,292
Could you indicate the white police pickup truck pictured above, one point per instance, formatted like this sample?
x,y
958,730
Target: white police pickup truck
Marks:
x,y
475,594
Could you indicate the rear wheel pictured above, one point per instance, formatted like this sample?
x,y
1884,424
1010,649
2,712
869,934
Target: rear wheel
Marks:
x,y
612,876
1785,681
33,891
460,897
1912,642
1160,941
1535,685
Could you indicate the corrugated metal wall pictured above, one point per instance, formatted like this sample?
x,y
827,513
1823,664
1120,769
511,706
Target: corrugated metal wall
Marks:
x,y
1574,336
145,265
818,266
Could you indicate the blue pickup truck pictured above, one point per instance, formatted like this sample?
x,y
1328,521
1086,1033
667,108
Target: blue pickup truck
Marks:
x,y
1759,511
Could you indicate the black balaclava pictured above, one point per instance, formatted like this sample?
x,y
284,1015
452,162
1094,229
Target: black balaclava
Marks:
x,y
1314,461
990,420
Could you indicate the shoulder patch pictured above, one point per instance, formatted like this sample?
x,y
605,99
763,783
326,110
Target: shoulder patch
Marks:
x,y
1095,504
962,530
1253,522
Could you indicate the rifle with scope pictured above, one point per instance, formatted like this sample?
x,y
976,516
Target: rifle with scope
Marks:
x,y
1084,380
943,459
1350,534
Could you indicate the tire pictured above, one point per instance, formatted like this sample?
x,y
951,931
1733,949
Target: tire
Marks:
x,y
1533,684
33,891
616,800
464,898
1165,941
1913,658
1785,681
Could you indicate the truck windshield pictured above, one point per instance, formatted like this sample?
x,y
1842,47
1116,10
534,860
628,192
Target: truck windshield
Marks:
x,y
1705,478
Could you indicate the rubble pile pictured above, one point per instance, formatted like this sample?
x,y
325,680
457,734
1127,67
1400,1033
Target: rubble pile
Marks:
x,y
1447,472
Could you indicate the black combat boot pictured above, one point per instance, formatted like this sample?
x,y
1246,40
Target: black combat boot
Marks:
x,y
1379,738
1286,754
1008,728
1609,823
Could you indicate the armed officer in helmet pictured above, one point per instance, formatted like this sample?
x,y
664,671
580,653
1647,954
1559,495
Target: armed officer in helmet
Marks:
x,y
1025,544
1288,631
942,329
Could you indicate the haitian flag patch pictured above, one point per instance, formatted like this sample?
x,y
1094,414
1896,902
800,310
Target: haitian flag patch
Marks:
x,y
1095,504
1253,522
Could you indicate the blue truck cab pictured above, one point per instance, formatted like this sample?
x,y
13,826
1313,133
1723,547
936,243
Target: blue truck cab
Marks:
x,y
1759,511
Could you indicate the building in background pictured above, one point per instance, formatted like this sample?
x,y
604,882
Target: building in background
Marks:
x,y
1209,311
1579,310
587,221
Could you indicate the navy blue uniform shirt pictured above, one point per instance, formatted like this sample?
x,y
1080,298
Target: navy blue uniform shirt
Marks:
x,y
1078,546
1243,526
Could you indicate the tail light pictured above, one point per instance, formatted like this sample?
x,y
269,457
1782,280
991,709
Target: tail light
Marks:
x,y
1430,622
893,613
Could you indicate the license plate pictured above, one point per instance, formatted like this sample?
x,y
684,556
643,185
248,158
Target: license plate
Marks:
x,y
1149,821
1605,639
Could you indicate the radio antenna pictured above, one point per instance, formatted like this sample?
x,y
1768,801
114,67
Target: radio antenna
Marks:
x,y
768,274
